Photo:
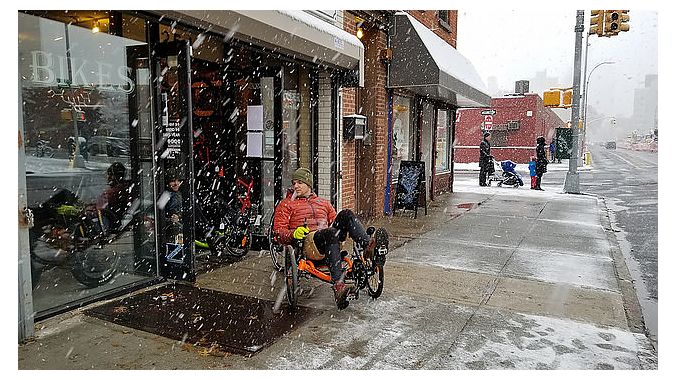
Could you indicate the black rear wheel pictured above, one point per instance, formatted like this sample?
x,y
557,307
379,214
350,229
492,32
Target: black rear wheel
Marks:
x,y
291,277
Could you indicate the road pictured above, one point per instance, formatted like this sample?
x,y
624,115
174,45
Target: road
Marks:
x,y
628,181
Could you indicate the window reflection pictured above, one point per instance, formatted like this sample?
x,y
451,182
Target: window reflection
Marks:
x,y
81,94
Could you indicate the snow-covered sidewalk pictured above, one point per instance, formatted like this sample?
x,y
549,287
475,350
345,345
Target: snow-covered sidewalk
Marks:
x,y
521,168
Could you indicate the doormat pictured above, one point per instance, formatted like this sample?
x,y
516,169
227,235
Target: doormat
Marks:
x,y
217,322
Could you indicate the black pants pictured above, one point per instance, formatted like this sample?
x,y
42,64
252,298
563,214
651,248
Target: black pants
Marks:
x,y
328,240
483,173
538,180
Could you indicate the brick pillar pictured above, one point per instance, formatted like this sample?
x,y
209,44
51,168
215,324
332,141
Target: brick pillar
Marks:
x,y
325,145
347,155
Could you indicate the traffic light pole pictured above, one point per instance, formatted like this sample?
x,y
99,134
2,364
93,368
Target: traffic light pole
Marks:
x,y
572,184
584,96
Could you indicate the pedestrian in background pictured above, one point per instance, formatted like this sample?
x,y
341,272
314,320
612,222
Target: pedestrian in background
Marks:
x,y
541,161
552,150
533,173
485,162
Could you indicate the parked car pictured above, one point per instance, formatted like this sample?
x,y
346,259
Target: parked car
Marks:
x,y
111,146
611,145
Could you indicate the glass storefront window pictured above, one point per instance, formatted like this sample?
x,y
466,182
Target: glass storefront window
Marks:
x,y
84,96
403,146
442,140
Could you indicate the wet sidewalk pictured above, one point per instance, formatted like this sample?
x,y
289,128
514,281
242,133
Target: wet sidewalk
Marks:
x,y
491,278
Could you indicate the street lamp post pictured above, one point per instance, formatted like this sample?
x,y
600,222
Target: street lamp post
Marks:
x,y
586,92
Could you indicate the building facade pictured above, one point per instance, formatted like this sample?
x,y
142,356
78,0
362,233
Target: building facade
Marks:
x,y
209,96
415,81
214,97
515,125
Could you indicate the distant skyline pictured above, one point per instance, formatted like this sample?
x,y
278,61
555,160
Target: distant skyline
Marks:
x,y
511,45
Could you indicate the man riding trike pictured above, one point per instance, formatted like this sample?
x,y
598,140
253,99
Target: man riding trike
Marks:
x,y
304,220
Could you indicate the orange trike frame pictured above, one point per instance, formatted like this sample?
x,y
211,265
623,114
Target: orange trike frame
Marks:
x,y
308,266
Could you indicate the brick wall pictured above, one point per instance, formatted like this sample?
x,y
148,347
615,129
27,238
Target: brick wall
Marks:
x,y
430,18
520,143
325,145
365,165
375,104
347,154
348,149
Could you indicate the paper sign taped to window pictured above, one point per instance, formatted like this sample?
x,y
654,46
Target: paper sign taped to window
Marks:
x,y
254,118
254,144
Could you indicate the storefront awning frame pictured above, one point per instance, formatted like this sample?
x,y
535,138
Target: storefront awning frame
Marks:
x,y
291,32
424,63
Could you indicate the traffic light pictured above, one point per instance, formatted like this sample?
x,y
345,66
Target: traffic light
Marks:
x,y
568,98
552,98
624,21
596,22
611,25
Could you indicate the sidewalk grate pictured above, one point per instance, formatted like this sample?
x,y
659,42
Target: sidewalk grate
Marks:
x,y
218,321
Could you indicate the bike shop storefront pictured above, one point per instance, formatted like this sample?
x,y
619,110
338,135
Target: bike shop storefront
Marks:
x,y
154,100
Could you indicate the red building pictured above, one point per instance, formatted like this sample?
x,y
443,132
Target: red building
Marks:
x,y
517,122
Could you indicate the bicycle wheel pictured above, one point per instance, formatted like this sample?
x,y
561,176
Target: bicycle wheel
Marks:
x,y
240,245
375,281
291,277
93,264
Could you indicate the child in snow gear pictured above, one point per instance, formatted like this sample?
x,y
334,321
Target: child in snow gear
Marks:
x,y
533,173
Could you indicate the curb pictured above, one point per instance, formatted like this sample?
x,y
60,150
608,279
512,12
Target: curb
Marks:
x,y
632,308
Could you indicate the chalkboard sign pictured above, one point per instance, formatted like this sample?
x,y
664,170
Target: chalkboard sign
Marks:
x,y
410,187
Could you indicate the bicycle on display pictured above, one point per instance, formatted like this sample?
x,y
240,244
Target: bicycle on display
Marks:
x,y
225,229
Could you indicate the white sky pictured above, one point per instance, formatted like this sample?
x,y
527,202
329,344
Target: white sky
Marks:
x,y
515,44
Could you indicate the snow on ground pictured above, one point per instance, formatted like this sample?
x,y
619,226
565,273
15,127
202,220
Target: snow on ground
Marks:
x,y
471,185
522,169
403,332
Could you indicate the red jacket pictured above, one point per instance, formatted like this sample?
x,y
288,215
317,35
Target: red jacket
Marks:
x,y
314,212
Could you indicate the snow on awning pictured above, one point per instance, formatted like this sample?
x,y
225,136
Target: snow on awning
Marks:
x,y
292,32
426,64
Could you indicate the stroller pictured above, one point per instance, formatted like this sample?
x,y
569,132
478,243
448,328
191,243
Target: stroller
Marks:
x,y
509,175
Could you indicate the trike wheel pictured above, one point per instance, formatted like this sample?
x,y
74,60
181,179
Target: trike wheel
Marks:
x,y
375,281
291,277
276,252
277,256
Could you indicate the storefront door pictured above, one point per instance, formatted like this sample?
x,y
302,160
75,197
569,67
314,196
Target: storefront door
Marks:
x,y
174,155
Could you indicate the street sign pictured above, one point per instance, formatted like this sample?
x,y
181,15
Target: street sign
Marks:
x,y
488,122
488,112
